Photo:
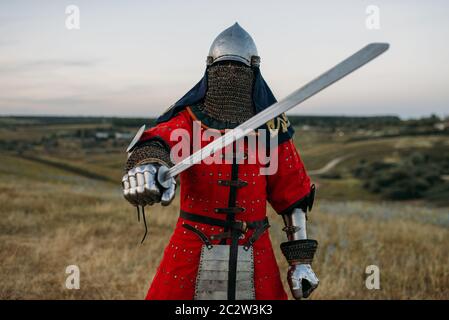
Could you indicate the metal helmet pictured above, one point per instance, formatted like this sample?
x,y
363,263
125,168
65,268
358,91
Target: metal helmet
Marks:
x,y
234,44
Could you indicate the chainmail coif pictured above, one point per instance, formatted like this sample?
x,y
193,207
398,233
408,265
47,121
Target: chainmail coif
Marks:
x,y
229,93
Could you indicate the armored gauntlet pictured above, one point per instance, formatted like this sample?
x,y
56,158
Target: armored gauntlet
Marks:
x,y
299,252
141,185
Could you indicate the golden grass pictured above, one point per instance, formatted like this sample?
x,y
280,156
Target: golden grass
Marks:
x,y
51,219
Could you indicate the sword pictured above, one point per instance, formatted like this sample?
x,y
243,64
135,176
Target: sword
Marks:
x,y
352,63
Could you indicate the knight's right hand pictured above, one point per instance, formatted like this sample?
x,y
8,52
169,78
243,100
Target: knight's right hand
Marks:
x,y
140,186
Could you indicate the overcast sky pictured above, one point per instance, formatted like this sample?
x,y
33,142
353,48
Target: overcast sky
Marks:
x,y
135,58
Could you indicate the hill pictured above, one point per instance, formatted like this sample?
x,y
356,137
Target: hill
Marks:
x,y
62,204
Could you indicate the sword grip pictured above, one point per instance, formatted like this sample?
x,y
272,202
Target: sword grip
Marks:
x,y
162,177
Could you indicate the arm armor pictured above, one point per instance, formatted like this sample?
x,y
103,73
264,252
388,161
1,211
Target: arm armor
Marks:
x,y
152,151
298,249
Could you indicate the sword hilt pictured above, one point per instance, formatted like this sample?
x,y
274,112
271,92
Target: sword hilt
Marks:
x,y
163,177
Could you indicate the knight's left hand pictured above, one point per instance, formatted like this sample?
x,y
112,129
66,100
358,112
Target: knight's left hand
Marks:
x,y
302,280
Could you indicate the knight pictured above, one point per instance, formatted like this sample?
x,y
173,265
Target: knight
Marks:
x,y
220,247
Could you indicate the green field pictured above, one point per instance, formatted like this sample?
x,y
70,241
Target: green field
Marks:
x,y
61,204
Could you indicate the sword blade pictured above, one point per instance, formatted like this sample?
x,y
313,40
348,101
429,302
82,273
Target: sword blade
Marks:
x,y
341,70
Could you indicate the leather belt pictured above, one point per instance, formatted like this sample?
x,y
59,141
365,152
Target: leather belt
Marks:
x,y
242,226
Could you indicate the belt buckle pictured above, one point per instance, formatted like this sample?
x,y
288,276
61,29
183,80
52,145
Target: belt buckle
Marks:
x,y
243,225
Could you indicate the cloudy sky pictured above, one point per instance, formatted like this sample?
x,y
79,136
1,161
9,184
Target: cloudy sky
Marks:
x,y
135,58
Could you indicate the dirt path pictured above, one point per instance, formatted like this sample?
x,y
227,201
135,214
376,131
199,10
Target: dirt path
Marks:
x,y
68,167
329,166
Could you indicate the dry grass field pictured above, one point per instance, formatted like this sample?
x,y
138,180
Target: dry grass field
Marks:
x,y
53,216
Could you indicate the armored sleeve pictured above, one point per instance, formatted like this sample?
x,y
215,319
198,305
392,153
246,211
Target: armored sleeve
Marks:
x,y
155,143
152,151
289,187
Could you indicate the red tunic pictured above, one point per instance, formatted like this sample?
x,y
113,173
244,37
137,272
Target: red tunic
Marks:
x,y
201,194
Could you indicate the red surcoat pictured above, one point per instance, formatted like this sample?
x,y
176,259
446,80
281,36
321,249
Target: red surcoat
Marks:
x,y
201,193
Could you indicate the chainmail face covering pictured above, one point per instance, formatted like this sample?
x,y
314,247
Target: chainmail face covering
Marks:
x,y
229,94
228,99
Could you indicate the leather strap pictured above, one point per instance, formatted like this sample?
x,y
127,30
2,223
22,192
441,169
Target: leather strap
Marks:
x,y
235,234
219,236
259,226
256,235
202,236
228,210
237,224
233,256
233,183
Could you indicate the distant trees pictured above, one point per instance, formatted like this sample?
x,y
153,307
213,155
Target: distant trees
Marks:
x,y
414,176
345,121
